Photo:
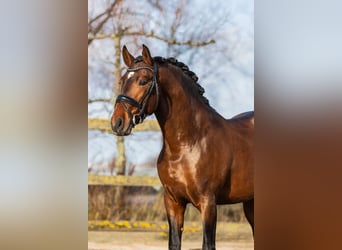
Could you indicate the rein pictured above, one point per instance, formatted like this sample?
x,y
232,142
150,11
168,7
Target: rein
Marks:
x,y
141,105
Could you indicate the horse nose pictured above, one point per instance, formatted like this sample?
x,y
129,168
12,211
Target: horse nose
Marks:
x,y
118,125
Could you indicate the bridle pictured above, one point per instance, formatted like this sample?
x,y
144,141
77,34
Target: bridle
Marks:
x,y
141,105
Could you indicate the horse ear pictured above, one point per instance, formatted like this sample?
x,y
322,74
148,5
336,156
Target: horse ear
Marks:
x,y
128,58
146,55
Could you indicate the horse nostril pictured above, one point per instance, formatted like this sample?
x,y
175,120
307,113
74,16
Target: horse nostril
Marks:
x,y
112,126
118,125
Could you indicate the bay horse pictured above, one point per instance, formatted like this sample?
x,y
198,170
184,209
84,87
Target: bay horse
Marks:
x,y
205,159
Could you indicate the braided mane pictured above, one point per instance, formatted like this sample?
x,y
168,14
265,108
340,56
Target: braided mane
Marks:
x,y
185,70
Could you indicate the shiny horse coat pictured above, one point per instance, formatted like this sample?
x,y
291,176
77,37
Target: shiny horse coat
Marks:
x,y
205,159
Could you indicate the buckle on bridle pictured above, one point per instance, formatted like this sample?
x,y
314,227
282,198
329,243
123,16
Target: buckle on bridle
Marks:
x,y
136,119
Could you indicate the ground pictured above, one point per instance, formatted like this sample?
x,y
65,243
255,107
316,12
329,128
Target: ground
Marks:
x,y
230,236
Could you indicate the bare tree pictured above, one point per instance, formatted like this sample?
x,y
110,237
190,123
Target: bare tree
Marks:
x,y
96,23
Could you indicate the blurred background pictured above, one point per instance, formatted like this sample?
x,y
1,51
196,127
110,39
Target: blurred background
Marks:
x,y
214,38
45,133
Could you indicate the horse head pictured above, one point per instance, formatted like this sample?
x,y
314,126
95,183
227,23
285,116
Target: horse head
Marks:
x,y
139,92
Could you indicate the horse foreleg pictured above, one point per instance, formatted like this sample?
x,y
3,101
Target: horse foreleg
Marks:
x,y
175,216
248,208
208,211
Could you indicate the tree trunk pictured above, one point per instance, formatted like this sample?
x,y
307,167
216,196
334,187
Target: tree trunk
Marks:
x,y
120,142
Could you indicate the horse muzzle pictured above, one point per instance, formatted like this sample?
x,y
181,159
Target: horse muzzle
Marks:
x,y
120,128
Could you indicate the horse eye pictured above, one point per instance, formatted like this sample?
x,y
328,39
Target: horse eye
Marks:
x,y
142,82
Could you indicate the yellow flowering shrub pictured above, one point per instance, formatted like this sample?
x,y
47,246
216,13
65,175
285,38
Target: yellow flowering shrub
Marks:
x,y
141,225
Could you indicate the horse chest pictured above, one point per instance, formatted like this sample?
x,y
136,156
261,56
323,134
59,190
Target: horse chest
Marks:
x,y
179,179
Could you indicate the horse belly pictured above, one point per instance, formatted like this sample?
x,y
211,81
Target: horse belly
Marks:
x,y
238,187
235,195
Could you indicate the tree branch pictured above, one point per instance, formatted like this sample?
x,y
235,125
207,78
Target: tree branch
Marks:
x,y
153,35
107,13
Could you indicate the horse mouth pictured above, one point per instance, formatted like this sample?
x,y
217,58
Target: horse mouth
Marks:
x,y
128,132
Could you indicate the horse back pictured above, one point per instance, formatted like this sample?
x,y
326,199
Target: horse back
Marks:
x,y
249,115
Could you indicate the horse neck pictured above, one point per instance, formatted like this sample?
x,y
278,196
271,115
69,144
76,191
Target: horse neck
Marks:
x,y
181,113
